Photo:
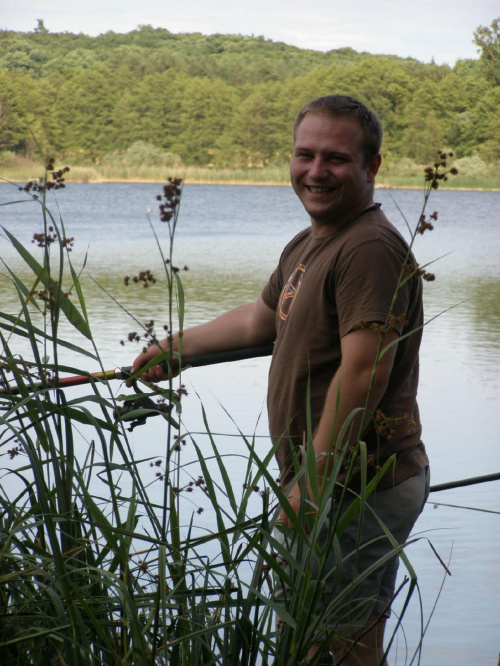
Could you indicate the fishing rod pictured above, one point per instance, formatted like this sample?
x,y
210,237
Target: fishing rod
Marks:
x,y
136,411
225,356
464,482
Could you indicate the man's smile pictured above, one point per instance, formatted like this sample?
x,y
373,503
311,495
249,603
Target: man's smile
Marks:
x,y
319,190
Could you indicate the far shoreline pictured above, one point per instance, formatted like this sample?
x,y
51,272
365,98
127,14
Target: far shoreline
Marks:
x,y
19,178
381,186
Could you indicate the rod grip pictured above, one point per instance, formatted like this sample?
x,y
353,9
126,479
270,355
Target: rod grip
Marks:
x,y
212,358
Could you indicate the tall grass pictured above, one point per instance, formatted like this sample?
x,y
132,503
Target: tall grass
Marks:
x,y
94,569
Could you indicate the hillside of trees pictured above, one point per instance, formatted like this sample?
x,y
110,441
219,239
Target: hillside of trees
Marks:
x,y
230,100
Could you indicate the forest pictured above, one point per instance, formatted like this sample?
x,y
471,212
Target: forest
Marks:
x,y
228,101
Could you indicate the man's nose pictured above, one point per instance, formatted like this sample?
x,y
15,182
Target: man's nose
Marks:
x,y
317,168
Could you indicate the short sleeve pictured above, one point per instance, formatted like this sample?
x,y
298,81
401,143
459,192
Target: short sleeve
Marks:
x,y
271,292
364,284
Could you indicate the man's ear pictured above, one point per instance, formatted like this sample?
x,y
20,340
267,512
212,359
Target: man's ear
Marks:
x,y
373,167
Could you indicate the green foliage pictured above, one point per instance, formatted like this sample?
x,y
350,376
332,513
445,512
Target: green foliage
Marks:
x,y
473,166
488,41
142,153
229,100
405,168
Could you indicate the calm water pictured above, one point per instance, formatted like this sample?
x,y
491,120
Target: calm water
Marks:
x,y
230,238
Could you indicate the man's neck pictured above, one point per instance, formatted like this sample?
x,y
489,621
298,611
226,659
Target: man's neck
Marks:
x,y
325,229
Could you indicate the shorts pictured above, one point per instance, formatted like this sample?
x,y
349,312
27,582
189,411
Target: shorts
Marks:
x,y
355,581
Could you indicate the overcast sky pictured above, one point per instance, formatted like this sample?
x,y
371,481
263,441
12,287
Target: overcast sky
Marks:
x,y
422,29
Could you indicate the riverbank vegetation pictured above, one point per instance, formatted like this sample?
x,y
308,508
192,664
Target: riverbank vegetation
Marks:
x,y
473,173
219,108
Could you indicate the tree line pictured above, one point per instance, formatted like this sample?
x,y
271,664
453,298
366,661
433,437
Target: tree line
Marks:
x,y
230,100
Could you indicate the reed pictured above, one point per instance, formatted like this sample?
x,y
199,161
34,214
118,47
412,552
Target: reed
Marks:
x,y
93,569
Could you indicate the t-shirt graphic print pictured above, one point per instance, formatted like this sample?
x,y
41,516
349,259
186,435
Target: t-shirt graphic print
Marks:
x,y
290,291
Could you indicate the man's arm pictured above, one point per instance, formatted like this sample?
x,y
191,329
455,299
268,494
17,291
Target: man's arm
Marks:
x,y
246,325
348,390
351,383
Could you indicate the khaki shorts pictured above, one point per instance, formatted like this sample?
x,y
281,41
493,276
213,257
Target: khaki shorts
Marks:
x,y
355,582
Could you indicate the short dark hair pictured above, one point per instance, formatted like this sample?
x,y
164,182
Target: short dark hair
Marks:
x,y
345,105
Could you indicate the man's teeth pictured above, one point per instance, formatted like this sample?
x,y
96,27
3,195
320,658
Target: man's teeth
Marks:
x,y
320,190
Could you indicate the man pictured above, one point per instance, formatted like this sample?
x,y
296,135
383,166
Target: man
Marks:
x,y
335,299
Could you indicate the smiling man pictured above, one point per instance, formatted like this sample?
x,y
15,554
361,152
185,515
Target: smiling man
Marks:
x,y
340,279
334,295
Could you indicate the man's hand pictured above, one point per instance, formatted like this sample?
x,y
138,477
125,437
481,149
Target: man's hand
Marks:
x,y
295,498
156,373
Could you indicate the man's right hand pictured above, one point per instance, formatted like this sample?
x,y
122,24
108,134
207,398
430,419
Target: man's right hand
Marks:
x,y
155,373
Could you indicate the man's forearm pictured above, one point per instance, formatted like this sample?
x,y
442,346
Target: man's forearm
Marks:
x,y
246,325
236,328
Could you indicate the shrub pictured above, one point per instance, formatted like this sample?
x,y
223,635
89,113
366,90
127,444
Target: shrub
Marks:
x,y
141,153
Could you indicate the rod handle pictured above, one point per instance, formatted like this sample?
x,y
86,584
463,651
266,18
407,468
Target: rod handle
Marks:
x,y
212,358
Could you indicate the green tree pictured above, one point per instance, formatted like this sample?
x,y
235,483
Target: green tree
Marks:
x,y
258,127
16,58
387,87
488,41
484,125
11,129
22,114
150,110
40,28
434,116
85,105
205,114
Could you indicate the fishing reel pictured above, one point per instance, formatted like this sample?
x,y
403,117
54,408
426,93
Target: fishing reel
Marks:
x,y
138,410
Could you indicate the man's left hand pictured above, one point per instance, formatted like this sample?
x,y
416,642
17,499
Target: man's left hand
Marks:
x,y
294,499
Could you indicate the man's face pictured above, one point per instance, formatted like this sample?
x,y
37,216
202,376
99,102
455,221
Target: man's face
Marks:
x,y
328,170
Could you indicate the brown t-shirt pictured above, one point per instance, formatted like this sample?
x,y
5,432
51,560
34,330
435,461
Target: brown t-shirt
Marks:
x,y
322,289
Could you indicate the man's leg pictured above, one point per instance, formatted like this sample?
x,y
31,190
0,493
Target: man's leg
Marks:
x,y
365,645
357,647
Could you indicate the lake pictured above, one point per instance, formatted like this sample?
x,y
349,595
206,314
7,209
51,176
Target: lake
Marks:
x,y
230,237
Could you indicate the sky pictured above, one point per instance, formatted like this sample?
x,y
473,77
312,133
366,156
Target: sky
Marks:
x,y
423,29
